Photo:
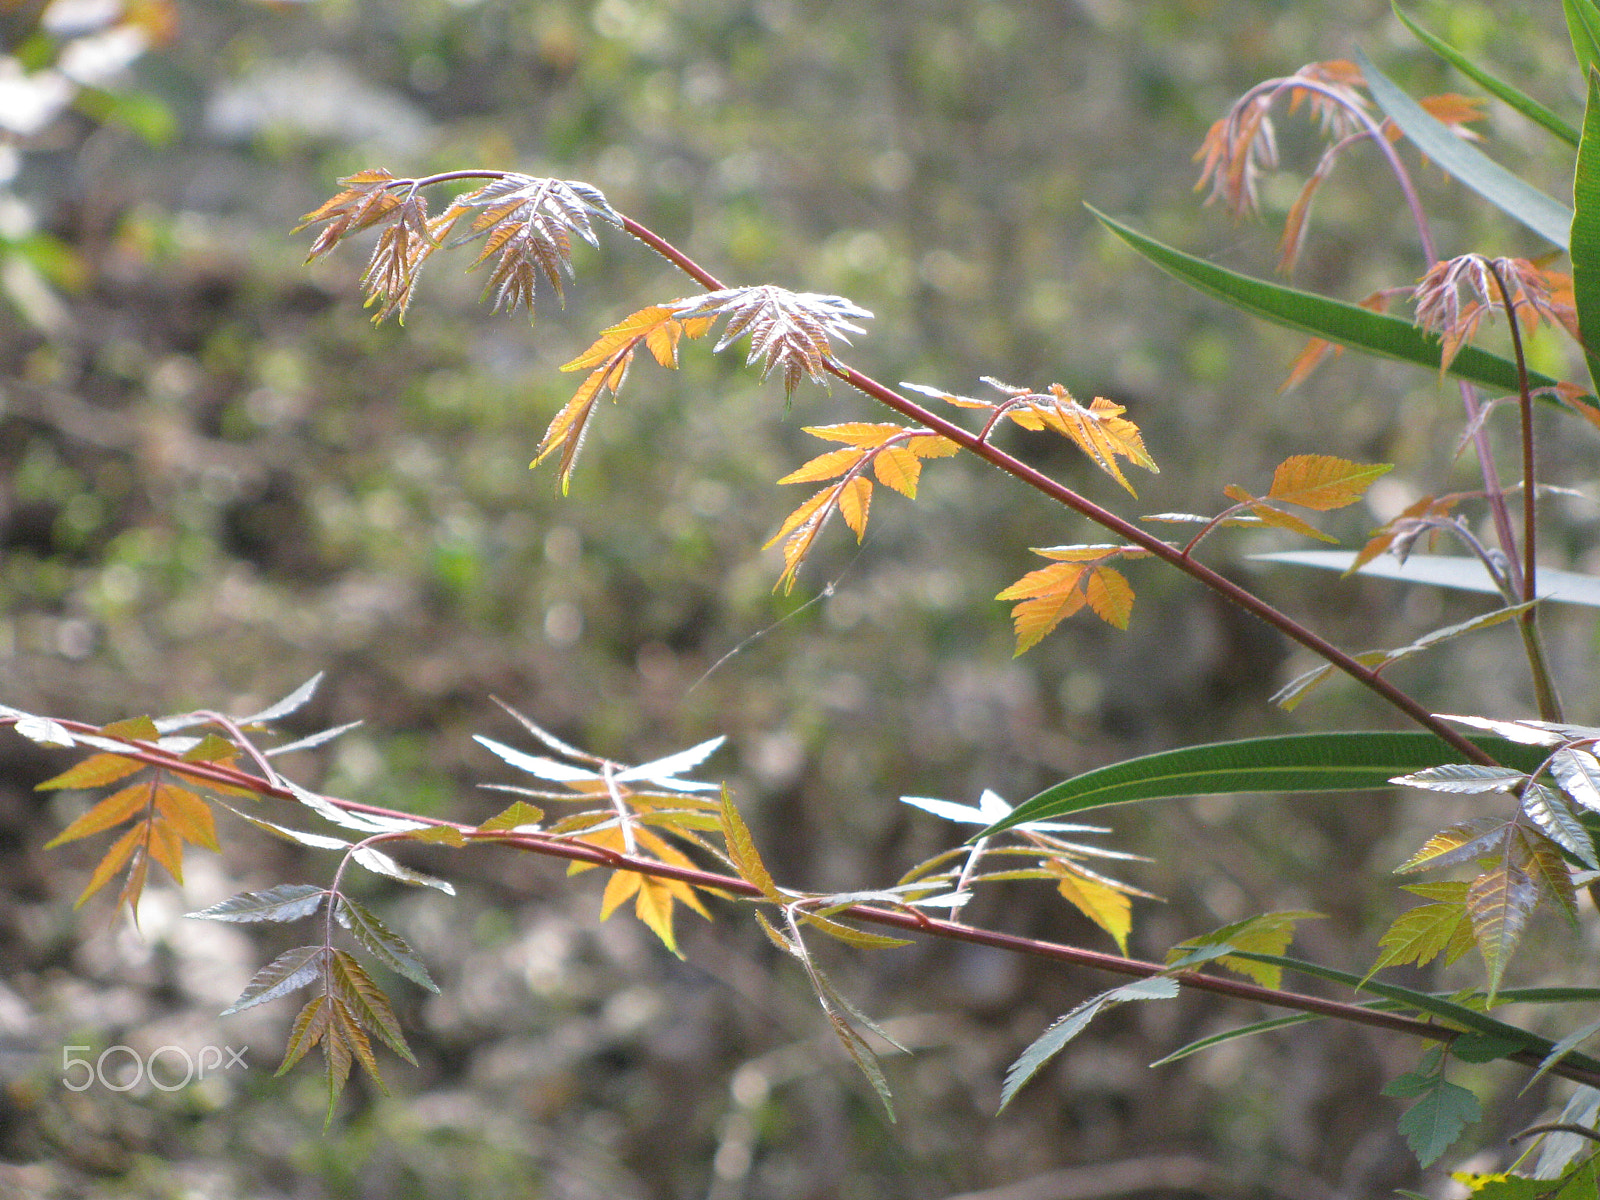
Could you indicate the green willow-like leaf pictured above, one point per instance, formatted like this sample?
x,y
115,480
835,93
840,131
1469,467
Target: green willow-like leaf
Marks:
x,y
1453,1013
1586,231
1333,320
1301,762
1518,100
1546,216
1583,24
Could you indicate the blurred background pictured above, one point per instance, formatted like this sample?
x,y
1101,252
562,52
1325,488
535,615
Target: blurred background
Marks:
x,y
217,479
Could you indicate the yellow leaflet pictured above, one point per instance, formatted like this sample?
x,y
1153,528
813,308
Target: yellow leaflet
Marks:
x,y
825,466
1421,934
742,850
1109,595
1321,482
1271,515
113,810
447,835
898,467
1042,582
672,856
95,771
166,847
855,498
801,515
111,863
1107,907
619,887
866,434
520,813
1488,831
133,729
187,815
654,908
932,445
655,326
1548,869
609,838
1088,553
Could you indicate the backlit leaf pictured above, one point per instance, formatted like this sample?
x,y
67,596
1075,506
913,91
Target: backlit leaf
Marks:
x,y
1268,933
1421,934
742,850
113,810
517,815
898,467
1500,901
825,466
188,815
1462,843
111,862
855,500
95,771
1108,907
1321,482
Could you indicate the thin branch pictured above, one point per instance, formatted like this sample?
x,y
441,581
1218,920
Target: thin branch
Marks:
x,y
908,921
1527,623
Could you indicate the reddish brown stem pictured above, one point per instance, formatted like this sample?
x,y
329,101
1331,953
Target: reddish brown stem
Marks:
x,y
908,920
1063,495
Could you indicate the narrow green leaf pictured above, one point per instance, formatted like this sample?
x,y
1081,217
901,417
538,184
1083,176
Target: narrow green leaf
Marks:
x,y
286,902
1444,570
1586,229
1433,1124
1518,100
1229,1035
1546,216
1302,762
1479,1048
1444,1007
1583,25
1317,316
